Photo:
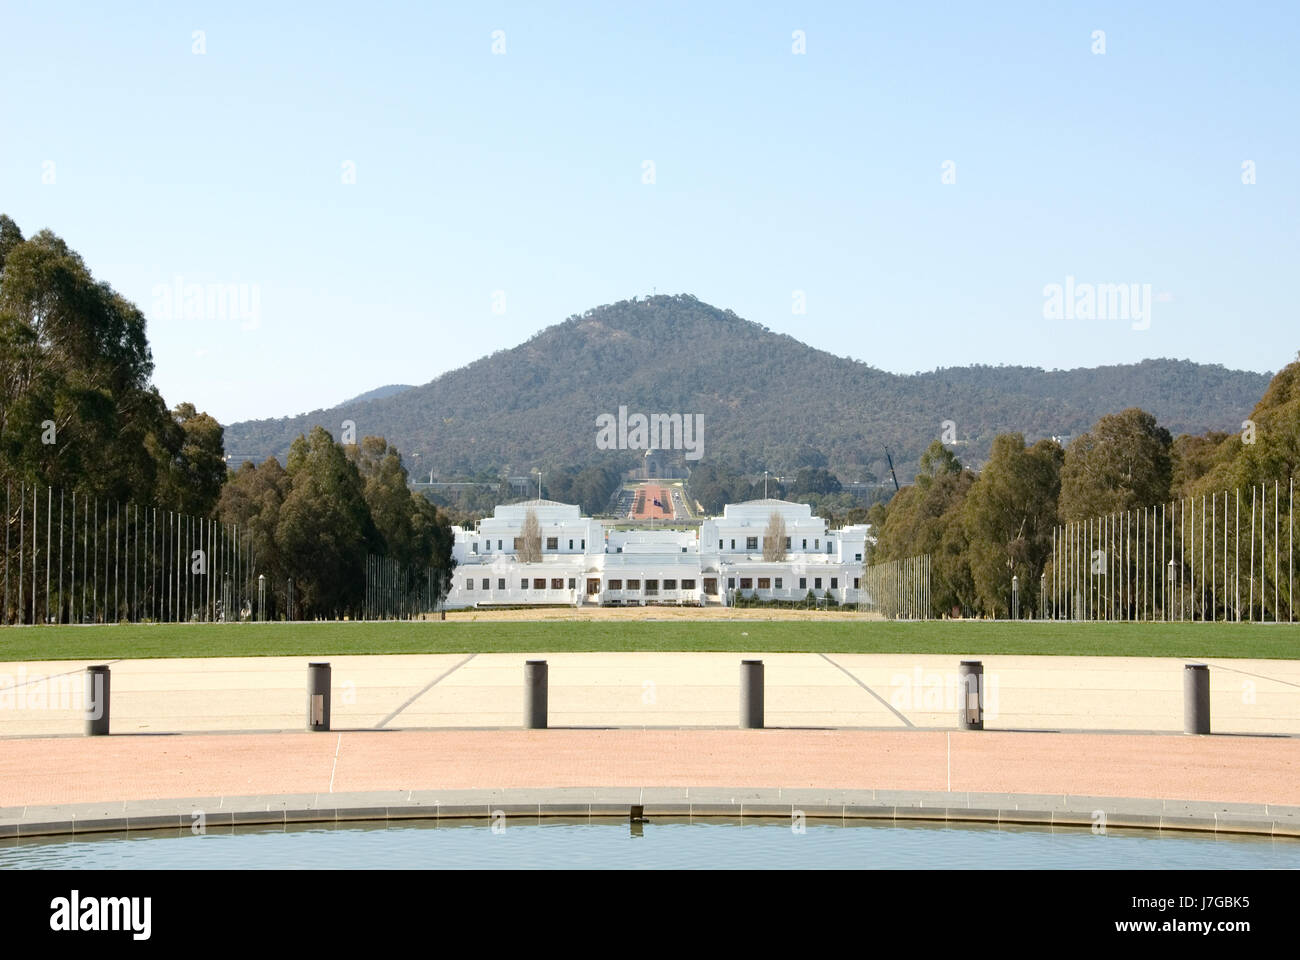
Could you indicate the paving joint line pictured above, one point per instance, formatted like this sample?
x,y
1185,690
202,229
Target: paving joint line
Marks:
x,y
885,703
432,683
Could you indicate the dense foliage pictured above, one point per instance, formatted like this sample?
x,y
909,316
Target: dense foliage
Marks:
x,y
982,529
78,411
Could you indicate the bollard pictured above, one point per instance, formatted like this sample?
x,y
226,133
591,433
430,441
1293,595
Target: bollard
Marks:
x,y
1196,698
535,695
318,697
970,706
751,694
97,700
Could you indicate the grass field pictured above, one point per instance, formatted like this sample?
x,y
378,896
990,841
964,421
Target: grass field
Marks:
x,y
114,642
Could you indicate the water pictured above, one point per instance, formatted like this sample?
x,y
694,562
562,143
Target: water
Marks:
x,y
660,844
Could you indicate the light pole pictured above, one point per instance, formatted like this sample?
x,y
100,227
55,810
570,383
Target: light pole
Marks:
x,y
1172,567
1015,597
1042,595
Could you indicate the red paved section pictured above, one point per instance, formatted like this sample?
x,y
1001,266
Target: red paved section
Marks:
x,y
1228,769
643,508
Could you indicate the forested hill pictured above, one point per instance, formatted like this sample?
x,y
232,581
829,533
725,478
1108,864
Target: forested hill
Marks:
x,y
768,401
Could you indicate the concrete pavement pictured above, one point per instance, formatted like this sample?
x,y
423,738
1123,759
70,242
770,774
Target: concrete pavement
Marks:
x,y
651,690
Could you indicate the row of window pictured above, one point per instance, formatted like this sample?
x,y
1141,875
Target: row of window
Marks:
x,y
552,543
767,583
539,583
652,586
751,543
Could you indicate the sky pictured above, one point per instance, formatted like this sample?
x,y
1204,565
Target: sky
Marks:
x,y
349,195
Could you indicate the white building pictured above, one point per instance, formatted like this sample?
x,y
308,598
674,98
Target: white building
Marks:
x,y
585,562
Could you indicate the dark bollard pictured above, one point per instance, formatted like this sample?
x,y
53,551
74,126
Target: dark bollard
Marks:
x,y
535,695
1196,698
970,706
751,694
97,700
318,697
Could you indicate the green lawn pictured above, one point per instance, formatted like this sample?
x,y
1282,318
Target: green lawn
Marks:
x,y
115,642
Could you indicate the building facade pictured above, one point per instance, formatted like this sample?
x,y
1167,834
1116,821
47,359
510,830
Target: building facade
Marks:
x,y
583,561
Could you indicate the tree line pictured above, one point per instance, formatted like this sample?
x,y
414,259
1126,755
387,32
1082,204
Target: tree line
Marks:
x,y
78,411
982,529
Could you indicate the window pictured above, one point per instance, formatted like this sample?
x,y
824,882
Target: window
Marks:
x,y
817,544
584,544
501,583
634,584
830,545
855,582
473,547
751,543
764,583
787,543
778,583
746,583
523,584
857,556
539,583
616,584
652,586
573,583
817,583
485,583
518,540
805,543
803,583
731,583
570,544
498,544
469,583
688,584
719,544
711,586
552,543
733,544
670,584
835,583
557,583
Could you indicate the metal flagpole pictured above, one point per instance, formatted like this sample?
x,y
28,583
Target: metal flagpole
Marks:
x,y
72,587
1250,607
22,546
49,515
59,614
36,521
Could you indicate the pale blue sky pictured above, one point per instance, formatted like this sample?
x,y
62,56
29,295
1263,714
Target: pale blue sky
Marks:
x,y
774,172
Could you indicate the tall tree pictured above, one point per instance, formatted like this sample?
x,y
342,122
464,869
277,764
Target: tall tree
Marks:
x,y
530,539
325,529
1009,515
193,461
774,538
1125,461
926,518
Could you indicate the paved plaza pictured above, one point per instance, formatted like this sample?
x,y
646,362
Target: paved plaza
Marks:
x,y
651,690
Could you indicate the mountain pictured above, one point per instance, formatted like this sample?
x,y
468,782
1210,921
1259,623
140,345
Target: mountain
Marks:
x,y
768,401
379,393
